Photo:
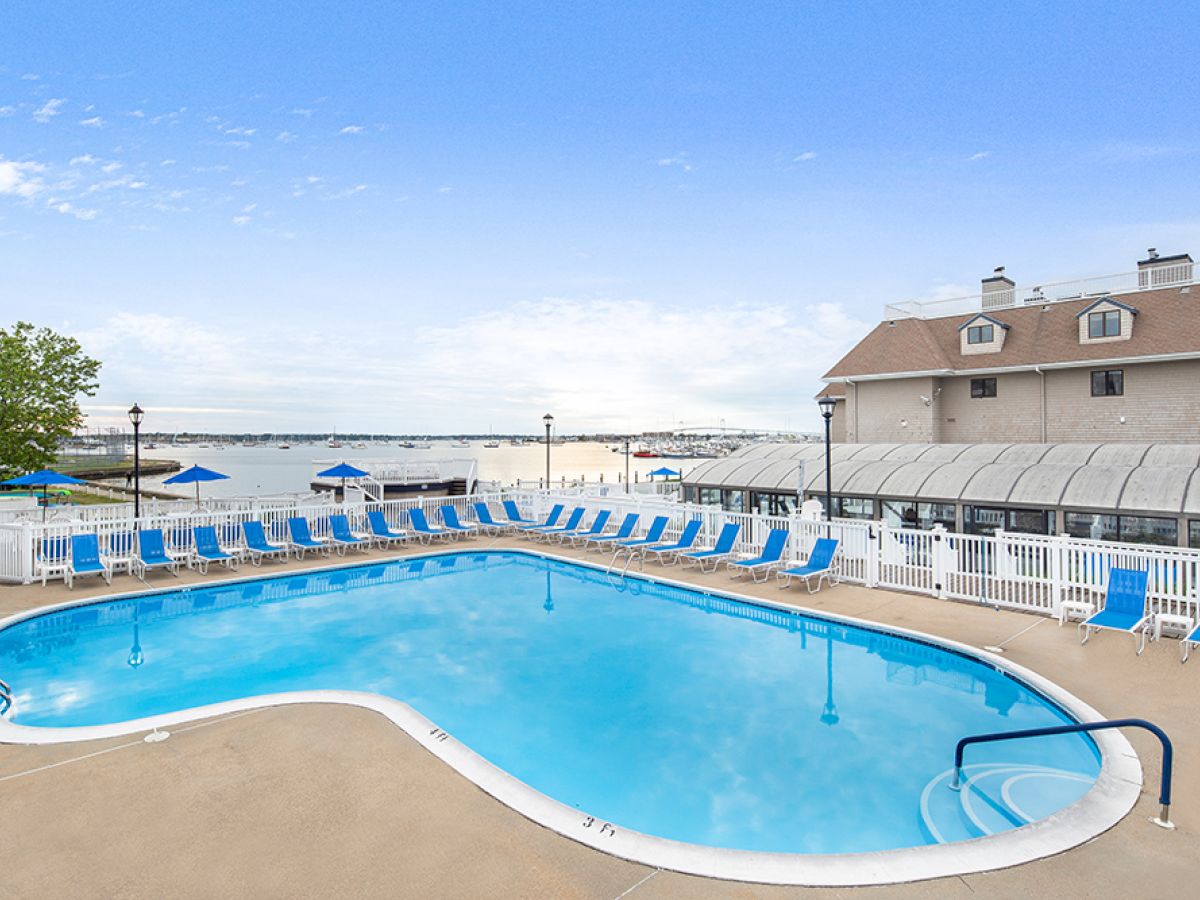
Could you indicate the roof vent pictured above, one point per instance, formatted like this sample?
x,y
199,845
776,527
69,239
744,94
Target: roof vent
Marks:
x,y
1164,271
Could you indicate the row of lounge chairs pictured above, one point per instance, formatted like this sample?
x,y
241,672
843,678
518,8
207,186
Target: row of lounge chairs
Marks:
x,y
686,551
148,549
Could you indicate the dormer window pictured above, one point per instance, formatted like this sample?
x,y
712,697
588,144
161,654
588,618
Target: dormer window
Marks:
x,y
981,334
1106,320
1104,324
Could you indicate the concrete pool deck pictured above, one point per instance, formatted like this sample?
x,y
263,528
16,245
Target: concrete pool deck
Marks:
x,y
330,800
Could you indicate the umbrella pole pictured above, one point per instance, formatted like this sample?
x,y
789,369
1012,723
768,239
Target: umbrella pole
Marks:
x,y
197,496
45,501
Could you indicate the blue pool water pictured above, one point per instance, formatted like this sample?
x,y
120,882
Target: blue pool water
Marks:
x,y
660,709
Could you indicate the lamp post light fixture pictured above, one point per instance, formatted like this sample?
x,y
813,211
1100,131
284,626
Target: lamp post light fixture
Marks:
x,y
135,416
549,422
827,405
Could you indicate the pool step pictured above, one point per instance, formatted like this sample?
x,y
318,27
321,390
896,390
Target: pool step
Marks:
x,y
996,796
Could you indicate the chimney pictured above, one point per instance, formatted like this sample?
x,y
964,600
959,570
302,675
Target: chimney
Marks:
x,y
1164,271
999,291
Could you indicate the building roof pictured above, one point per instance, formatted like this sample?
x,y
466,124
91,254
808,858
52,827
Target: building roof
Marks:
x,y
1168,323
1161,479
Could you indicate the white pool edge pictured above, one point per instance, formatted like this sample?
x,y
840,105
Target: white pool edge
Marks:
x,y
1110,799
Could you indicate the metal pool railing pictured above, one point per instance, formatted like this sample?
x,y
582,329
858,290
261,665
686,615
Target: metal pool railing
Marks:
x,y
1168,752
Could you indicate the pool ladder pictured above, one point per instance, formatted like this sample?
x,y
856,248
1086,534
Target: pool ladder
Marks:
x,y
5,697
631,554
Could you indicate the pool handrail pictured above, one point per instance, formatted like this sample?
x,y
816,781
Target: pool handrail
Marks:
x,y
1168,752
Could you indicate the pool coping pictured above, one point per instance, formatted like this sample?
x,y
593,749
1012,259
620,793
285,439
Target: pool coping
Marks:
x,y
1110,799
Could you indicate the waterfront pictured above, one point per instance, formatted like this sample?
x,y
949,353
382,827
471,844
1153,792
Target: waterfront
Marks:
x,y
270,470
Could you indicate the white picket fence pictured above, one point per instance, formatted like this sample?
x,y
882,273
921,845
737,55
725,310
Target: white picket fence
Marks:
x,y
1035,573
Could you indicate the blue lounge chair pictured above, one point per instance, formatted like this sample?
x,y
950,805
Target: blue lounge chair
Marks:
x,y
257,545
770,559
1189,641
549,531
381,531
668,554
301,539
513,514
451,521
343,537
551,519
653,536
53,558
602,541
152,554
208,549
723,548
86,559
487,523
818,566
422,529
1124,607
581,535
118,548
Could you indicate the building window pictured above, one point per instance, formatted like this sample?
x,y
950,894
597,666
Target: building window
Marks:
x,y
1093,526
986,520
1148,530
983,387
689,494
980,334
853,508
768,504
1194,533
1108,383
710,496
733,501
1127,529
909,514
1104,324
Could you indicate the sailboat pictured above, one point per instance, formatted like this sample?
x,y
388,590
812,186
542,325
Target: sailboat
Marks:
x,y
491,443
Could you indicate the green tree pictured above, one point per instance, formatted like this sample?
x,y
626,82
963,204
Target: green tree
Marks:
x,y
42,375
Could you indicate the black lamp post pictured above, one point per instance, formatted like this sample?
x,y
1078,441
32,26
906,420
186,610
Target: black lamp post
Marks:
x,y
135,416
627,465
827,404
549,420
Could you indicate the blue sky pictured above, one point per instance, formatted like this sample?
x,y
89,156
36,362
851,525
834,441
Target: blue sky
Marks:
x,y
443,217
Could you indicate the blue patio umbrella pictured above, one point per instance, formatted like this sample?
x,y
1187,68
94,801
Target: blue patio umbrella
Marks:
x,y
42,479
665,472
343,470
195,475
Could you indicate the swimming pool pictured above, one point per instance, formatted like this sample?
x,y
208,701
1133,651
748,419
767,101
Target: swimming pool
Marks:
x,y
648,712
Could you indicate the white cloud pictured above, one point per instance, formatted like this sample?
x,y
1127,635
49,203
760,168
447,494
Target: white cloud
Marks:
x,y
285,137
352,129
307,113
29,76
241,220
168,162
6,111
445,190
49,110
805,156
634,373
679,159
69,209
111,167
982,154
20,179
93,122
85,160
136,113
348,192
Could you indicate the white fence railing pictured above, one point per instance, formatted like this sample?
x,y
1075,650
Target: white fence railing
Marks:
x,y
1035,573
1149,278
